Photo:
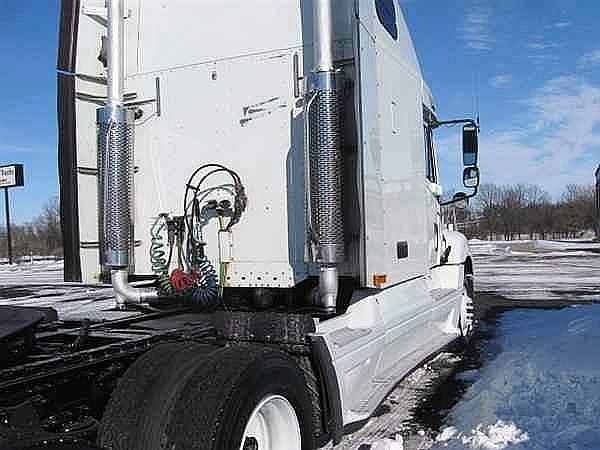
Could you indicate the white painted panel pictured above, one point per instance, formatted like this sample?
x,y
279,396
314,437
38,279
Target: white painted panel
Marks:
x,y
220,114
356,341
448,278
382,337
406,310
88,218
208,30
226,76
90,269
402,169
87,141
89,41
371,146
393,161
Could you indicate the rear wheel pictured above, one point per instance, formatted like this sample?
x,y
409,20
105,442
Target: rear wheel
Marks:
x,y
273,425
243,397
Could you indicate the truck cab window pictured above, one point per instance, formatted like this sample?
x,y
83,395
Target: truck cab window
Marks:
x,y
386,11
430,166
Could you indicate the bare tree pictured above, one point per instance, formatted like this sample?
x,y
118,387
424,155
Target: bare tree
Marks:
x,y
41,236
577,209
48,225
487,203
513,210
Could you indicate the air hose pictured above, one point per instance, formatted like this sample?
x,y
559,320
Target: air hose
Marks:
x,y
206,293
195,280
158,255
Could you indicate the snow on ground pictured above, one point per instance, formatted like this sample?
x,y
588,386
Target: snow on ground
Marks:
x,y
540,391
28,273
40,284
539,382
538,270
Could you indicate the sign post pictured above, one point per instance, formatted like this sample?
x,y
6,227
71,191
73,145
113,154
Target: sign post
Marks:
x,y
10,176
8,236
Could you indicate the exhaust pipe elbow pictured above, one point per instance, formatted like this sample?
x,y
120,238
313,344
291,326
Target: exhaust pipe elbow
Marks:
x,y
328,288
127,294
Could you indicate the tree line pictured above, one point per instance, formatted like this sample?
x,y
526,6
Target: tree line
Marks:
x,y
518,211
39,237
498,212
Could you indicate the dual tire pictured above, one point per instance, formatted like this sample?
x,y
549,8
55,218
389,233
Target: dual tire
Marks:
x,y
188,396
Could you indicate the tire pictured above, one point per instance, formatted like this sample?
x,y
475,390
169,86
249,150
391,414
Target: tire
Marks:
x,y
194,396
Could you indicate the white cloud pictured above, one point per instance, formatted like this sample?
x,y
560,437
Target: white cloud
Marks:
x,y
543,58
475,30
542,45
555,141
564,24
590,59
555,146
502,80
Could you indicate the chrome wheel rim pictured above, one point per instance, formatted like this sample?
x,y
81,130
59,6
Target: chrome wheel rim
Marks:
x,y
273,425
467,320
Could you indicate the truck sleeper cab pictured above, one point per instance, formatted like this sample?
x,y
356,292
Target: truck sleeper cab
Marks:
x,y
309,241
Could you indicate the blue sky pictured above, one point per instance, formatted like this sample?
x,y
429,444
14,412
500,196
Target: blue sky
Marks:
x,y
535,66
28,100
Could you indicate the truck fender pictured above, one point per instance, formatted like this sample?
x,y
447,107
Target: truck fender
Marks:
x,y
459,251
331,403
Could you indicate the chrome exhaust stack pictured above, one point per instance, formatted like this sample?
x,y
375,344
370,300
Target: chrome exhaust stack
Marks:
x,y
115,166
323,112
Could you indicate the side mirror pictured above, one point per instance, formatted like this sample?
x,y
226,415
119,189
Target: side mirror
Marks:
x,y
470,145
471,177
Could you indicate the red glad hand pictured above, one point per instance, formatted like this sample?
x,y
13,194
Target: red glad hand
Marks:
x,y
182,281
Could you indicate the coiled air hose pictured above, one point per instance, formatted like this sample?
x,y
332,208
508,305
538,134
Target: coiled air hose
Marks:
x,y
158,255
196,280
206,293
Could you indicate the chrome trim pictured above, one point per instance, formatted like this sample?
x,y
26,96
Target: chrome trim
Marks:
x,y
116,53
323,35
128,294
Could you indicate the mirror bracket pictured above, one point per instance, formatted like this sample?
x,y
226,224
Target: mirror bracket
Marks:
x,y
461,199
473,122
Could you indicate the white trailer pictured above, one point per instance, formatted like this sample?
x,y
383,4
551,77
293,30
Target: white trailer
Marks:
x,y
269,166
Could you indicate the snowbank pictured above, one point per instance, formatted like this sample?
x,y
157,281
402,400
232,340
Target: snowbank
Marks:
x,y
389,444
494,437
542,391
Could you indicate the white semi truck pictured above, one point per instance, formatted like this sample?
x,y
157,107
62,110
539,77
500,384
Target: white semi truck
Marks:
x,y
259,182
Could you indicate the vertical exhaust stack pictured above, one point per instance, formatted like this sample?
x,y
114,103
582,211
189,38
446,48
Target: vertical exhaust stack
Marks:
x,y
115,165
325,155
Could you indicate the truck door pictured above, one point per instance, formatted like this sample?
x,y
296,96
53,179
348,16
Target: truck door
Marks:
x,y
396,210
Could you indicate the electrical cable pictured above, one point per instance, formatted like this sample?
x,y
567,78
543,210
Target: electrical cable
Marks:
x,y
240,199
197,280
